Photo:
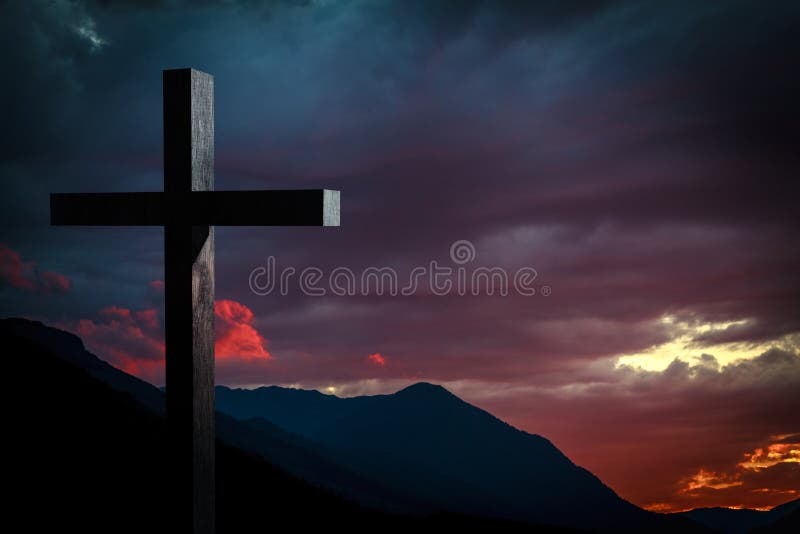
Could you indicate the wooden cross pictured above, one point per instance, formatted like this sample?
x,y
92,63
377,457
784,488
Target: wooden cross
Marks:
x,y
188,209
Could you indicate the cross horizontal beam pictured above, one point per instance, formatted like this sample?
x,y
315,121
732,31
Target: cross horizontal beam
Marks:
x,y
294,207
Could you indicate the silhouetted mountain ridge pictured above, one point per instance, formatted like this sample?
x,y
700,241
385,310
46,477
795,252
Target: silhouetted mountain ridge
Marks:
x,y
425,441
69,347
397,452
89,457
422,449
740,521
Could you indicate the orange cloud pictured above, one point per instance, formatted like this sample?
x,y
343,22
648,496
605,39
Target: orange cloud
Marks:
x,y
767,476
712,480
25,275
236,337
377,359
660,507
773,454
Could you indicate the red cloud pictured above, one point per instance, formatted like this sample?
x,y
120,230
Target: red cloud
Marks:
x,y
157,285
236,337
148,318
13,270
25,274
377,359
115,312
134,340
53,282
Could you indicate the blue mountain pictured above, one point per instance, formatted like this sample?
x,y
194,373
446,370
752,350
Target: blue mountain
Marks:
x,y
426,442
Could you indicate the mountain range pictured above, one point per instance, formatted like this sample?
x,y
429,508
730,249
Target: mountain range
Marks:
x,y
782,518
91,441
426,442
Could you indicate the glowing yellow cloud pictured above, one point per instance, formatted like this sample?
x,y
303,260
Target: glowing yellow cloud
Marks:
x,y
682,345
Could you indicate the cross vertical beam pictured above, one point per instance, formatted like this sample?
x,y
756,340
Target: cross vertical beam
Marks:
x,y
188,208
189,295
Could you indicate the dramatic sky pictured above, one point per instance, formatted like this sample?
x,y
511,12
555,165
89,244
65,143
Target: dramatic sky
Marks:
x,y
640,156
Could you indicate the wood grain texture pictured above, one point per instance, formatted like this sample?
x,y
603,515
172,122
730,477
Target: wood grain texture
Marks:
x,y
189,294
203,427
331,207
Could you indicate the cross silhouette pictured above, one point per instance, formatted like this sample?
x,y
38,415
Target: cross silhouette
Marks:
x,y
188,209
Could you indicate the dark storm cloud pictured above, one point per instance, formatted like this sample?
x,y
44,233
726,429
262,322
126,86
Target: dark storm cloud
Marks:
x,y
499,22
40,47
481,119
441,121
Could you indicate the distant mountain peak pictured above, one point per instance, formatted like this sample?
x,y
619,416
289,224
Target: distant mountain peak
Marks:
x,y
33,329
65,344
425,388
